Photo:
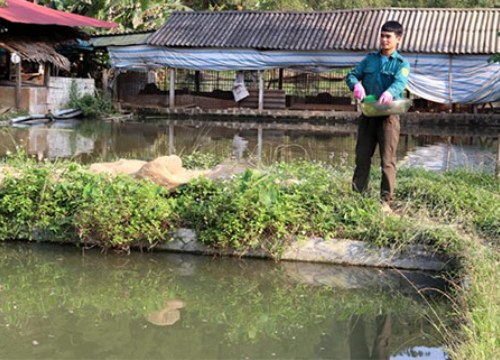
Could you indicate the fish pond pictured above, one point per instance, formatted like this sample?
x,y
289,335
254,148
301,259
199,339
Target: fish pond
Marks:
x,y
61,302
436,148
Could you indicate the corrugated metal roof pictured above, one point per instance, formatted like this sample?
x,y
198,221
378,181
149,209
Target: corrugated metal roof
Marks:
x,y
25,12
431,30
128,39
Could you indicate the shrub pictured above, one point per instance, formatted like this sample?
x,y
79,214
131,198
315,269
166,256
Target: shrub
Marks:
x,y
91,105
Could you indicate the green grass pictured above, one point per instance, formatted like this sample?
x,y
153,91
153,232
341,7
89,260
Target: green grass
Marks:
x,y
479,336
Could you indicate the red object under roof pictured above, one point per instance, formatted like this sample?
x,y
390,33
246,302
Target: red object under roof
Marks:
x,y
21,11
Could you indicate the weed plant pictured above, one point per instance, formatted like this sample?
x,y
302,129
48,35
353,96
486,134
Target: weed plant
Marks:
x,y
92,106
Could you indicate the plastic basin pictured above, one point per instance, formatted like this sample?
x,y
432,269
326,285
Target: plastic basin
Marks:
x,y
374,109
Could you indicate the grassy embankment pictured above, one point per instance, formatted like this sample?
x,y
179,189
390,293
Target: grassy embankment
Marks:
x,y
457,213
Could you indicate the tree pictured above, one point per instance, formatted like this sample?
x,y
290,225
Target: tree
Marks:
x,y
129,14
145,15
496,57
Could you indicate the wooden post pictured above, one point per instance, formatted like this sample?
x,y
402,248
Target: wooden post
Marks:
x,y
18,86
197,81
104,80
46,74
280,79
261,90
171,96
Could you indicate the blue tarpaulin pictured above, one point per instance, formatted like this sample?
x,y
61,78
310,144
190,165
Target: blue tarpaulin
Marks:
x,y
440,78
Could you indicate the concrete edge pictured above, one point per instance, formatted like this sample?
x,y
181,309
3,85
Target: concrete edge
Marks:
x,y
318,250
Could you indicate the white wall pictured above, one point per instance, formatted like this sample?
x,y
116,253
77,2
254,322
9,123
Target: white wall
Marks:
x,y
59,89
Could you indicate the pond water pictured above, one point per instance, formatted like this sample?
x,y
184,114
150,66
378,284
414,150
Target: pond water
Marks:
x,y
59,302
90,141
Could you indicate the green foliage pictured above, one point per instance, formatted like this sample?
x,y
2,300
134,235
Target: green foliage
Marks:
x,y
254,210
496,57
243,213
197,160
116,212
92,106
146,15
266,210
52,202
129,14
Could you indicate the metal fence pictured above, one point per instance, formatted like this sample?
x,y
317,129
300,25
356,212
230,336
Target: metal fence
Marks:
x,y
293,82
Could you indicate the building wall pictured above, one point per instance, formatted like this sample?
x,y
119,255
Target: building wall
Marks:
x,y
59,91
33,99
41,99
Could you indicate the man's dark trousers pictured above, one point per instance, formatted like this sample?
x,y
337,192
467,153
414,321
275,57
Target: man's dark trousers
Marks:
x,y
383,131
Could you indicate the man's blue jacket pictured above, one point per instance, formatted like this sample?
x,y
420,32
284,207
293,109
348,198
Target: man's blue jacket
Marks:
x,y
377,78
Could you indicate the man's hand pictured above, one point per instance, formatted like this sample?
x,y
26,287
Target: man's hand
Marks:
x,y
359,92
385,98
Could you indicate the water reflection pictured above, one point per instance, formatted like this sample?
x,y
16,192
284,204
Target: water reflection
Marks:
x,y
56,302
168,315
90,141
443,157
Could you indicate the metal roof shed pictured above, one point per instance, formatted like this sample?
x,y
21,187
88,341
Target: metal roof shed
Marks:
x,y
447,48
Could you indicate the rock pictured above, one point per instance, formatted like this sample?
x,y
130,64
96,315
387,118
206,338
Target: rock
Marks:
x,y
168,171
165,170
122,166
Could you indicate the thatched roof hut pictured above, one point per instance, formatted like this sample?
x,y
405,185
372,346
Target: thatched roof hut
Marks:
x,y
34,31
38,44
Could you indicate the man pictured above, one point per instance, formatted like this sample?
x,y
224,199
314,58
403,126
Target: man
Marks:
x,y
383,74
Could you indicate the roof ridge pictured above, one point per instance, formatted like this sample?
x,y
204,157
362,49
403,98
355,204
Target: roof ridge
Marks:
x,y
239,12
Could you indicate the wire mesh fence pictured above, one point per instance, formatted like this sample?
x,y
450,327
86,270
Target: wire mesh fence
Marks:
x,y
292,82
